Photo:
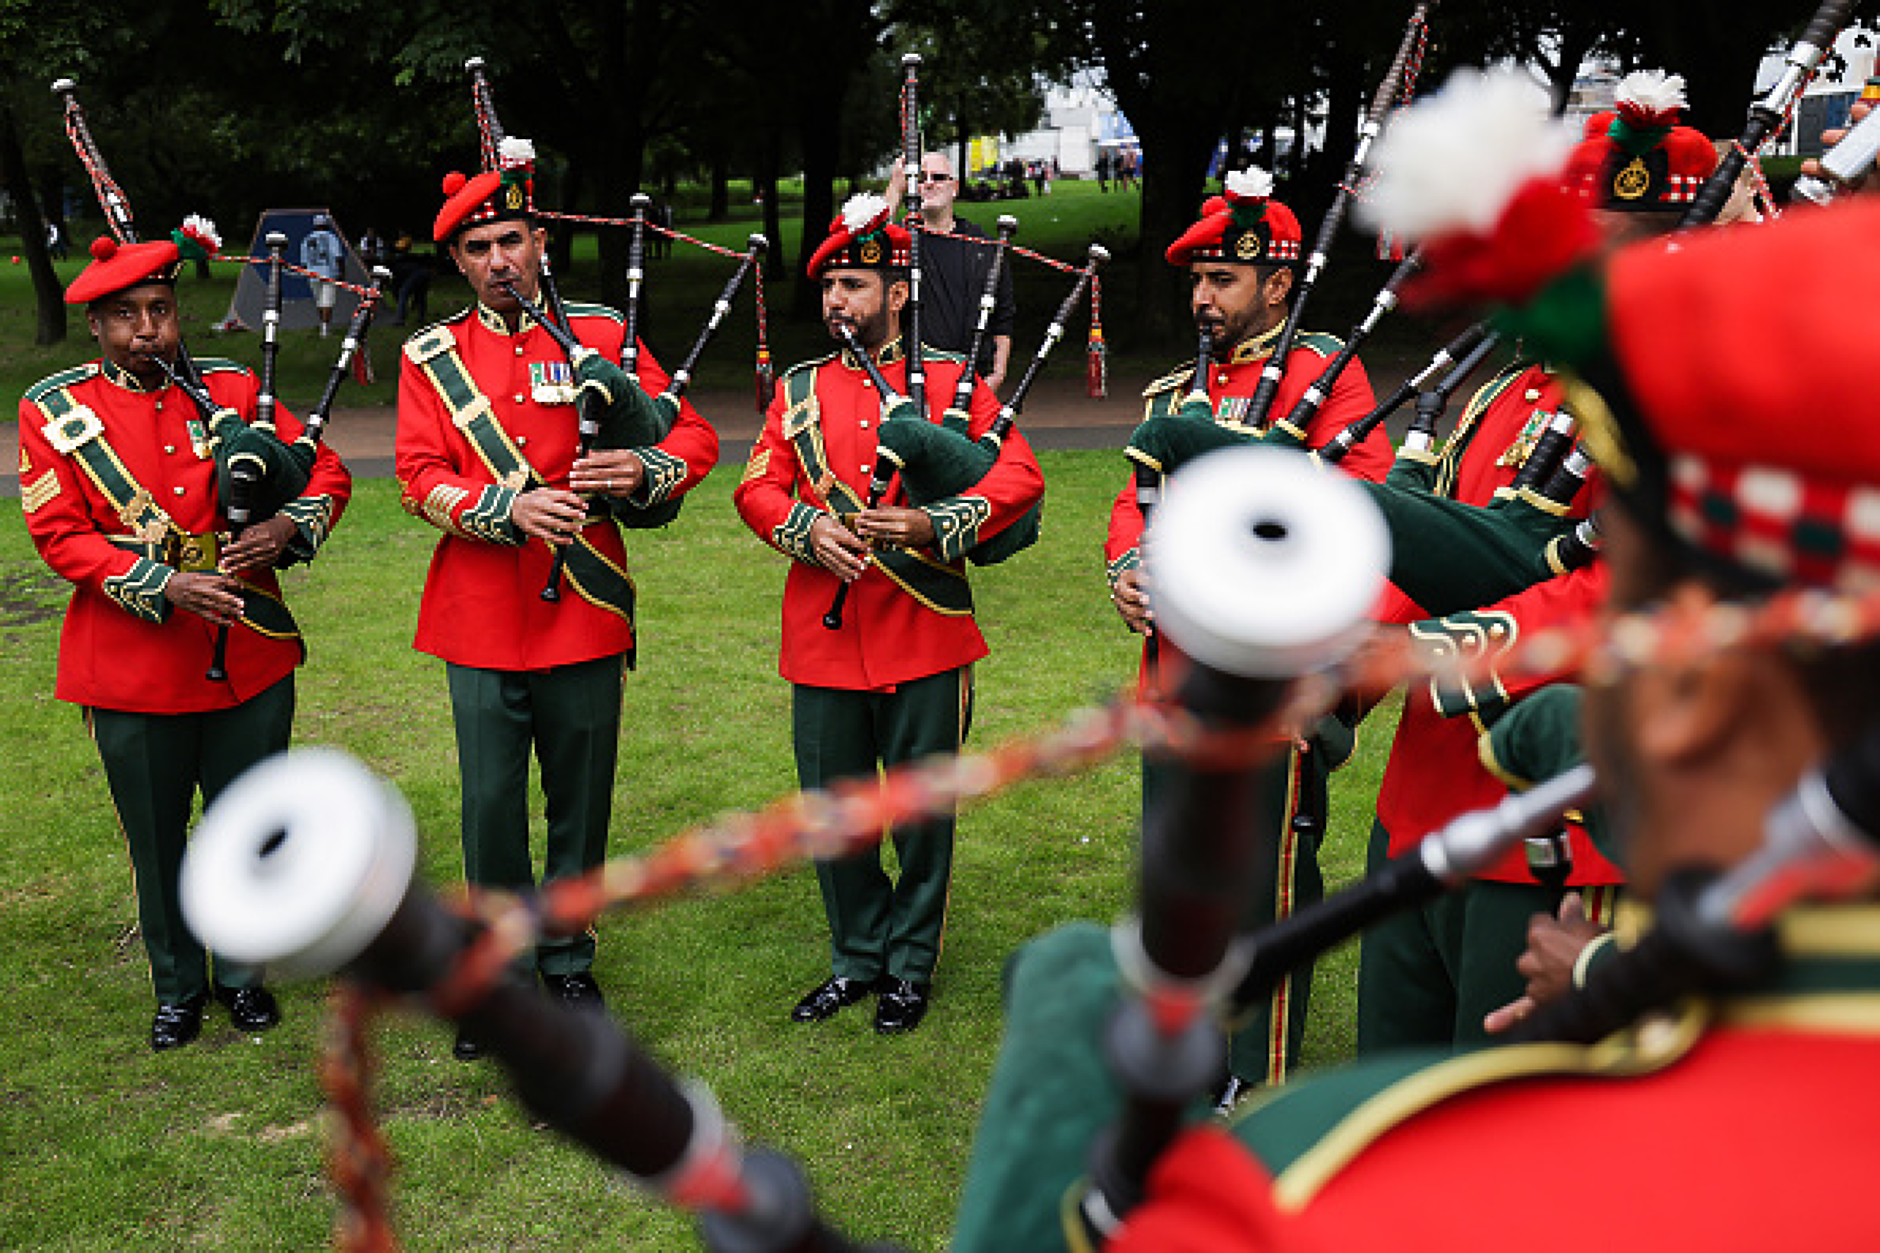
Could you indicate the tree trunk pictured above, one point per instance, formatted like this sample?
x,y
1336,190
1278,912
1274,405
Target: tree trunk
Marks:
x,y
777,260
721,186
49,298
820,122
1175,163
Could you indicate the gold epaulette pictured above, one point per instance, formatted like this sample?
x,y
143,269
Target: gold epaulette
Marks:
x,y
64,378
1178,377
581,309
1320,342
430,342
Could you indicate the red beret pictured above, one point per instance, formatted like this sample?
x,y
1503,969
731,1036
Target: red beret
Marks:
x,y
1251,230
1653,168
863,238
497,195
1768,426
116,266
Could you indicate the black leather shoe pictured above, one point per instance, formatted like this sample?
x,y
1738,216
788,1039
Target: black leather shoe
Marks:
x,y
176,1024
577,991
1230,1094
250,1009
834,993
902,1005
466,1047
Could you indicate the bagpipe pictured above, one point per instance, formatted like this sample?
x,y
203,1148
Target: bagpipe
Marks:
x,y
257,473
1397,79
306,863
1767,115
1714,932
612,410
936,461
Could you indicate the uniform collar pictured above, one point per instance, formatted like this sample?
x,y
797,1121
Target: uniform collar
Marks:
x,y
1257,347
114,373
887,354
493,321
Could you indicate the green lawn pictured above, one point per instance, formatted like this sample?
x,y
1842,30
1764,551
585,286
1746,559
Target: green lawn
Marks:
x,y
104,1145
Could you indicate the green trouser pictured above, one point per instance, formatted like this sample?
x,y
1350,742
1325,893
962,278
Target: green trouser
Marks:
x,y
570,716
1289,822
1428,976
877,926
154,765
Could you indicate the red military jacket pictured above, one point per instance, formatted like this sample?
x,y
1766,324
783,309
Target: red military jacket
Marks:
x,y
1743,1125
1435,770
1230,385
888,636
123,645
483,603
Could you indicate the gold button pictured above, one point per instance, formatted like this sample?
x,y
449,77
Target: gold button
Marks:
x,y
520,397
1533,394
1496,631
864,424
159,406
177,490
522,441
518,350
169,448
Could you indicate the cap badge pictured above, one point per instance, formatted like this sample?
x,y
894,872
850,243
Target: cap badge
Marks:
x,y
1248,247
1632,181
870,251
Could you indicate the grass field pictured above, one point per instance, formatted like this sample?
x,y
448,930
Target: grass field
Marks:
x,y
104,1145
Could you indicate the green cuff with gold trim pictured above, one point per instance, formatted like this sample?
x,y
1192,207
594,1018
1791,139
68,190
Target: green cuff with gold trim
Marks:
x,y
489,518
139,590
664,474
792,536
956,523
1454,645
1131,560
312,517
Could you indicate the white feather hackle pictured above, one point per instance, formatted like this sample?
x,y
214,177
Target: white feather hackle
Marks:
x,y
861,209
515,150
1653,91
1251,183
204,231
1453,161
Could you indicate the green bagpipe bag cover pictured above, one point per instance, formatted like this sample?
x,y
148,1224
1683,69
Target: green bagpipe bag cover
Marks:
x,y
938,461
1448,556
1051,1096
631,419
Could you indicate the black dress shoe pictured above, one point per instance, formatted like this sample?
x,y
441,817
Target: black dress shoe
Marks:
x,y
1230,1094
577,991
834,993
466,1047
176,1024
902,1005
250,1009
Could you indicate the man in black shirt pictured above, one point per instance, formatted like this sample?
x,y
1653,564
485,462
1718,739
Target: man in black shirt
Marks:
x,y
953,273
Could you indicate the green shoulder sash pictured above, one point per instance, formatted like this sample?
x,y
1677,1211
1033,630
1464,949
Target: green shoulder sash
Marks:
x,y
590,572
940,587
75,431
